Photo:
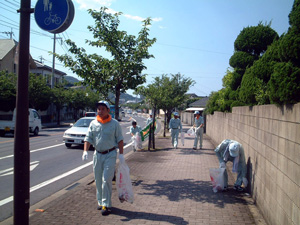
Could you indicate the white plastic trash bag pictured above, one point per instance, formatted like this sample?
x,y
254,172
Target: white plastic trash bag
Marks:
x,y
123,183
182,138
191,132
138,141
217,178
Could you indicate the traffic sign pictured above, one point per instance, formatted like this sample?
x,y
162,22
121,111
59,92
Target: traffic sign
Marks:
x,y
54,16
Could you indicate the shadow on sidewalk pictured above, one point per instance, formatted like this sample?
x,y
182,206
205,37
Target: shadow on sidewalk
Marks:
x,y
189,151
130,215
199,191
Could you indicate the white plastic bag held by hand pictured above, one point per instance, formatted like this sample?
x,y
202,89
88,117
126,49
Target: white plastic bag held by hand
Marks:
x,y
138,141
191,132
84,155
121,158
123,183
222,165
217,178
182,138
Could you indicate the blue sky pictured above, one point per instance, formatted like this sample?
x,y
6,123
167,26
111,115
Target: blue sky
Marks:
x,y
194,37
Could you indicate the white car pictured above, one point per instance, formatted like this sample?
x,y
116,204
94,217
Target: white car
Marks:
x,y
76,134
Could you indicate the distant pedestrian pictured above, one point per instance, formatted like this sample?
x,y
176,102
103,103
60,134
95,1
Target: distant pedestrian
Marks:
x,y
198,126
176,127
149,120
230,150
105,134
134,129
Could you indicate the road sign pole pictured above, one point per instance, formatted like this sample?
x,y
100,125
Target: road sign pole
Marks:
x,y
21,145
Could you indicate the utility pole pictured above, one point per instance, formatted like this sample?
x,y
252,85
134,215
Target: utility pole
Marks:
x,y
21,145
53,71
41,59
11,34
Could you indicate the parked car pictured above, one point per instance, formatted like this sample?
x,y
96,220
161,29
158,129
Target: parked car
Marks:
x,y
90,114
76,134
34,120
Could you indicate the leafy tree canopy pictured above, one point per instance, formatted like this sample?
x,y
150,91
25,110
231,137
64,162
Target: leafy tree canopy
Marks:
x,y
255,39
39,92
7,91
123,70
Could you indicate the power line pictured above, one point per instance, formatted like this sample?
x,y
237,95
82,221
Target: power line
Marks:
x,y
14,4
8,10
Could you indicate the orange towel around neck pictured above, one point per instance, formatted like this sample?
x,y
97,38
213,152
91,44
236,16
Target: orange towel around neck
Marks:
x,y
99,119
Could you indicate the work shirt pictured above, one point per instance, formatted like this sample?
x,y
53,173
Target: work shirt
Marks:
x,y
149,120
220,150
135,130
199,121
104,136
175,124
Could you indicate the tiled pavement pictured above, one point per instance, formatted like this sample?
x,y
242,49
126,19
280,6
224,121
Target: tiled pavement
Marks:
x,y
171,186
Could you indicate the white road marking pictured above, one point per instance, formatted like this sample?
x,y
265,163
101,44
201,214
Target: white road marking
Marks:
x,y
10,171
40,149
43,184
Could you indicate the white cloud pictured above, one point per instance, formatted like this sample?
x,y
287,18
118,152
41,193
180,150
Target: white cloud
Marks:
x,y
93,4
157,19
96,4
138,18
162,27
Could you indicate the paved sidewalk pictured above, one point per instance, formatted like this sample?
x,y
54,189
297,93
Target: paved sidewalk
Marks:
x,y
171,186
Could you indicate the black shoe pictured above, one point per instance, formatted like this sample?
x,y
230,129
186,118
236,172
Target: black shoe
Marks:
x,y
99,207
105,211
238,188
194,148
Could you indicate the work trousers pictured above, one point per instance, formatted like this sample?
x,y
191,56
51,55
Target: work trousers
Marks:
x,y
198,137
104,169
239,179
174,135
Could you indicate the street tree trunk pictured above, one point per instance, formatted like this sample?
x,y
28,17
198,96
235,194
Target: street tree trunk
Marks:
x,y
117,100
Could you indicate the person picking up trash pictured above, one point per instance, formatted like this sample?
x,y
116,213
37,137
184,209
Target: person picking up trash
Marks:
x,y
134,130
105,134
230,150
198,125
176,127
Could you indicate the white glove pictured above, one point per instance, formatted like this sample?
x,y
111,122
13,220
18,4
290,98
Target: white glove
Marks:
x,y
222,165
245,181
121,158
84,155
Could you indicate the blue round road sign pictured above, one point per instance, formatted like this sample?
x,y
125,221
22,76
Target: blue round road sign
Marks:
x,y
54,16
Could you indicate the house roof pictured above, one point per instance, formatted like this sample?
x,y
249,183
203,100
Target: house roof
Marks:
x,y
192,109
6,45
201,103
40,65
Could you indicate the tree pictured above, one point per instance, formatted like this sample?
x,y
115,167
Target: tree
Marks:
x,y
123,70
7,91
167,93
39,92
60,98
284,84
255,39
77,100
92,98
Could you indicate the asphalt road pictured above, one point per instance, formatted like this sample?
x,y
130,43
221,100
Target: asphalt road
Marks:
x,y
53,166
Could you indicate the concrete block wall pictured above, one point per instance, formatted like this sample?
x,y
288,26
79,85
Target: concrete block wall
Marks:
x,y
271,139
